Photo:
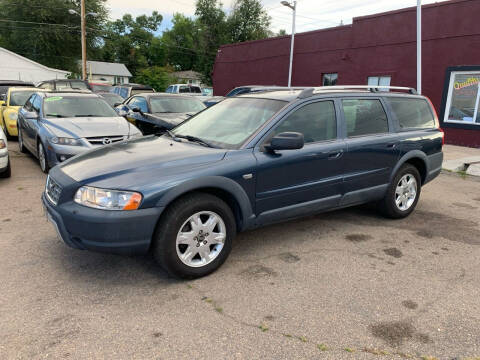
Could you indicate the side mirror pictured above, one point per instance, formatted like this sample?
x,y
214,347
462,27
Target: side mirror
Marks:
x,y
117,104
286,141
31,115
136,109
2,102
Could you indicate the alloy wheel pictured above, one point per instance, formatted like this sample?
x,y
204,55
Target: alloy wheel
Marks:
x,y
201,239
406,192
41,158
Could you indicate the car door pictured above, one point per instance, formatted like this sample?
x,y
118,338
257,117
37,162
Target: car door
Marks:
x,y
372,148
31,125
291,183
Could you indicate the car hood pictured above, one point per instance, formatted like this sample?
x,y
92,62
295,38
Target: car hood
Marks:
x,y
83,127
132,163
168,120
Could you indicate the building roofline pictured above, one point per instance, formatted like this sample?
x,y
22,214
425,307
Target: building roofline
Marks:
x,y
33,62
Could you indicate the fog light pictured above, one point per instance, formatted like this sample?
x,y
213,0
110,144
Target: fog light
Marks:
x,y
63,158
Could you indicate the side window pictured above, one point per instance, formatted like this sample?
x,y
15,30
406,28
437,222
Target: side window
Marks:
x,y
142,104
169,89
63,85
364,117
196,90
412,113
46,85
316,121
184,89
36,104
28,103
123,92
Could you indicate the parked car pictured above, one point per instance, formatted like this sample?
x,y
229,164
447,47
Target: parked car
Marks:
x,y
207,91
156,112
100,87
6,84
127,90
212,100
55,126
15,99
5,167
246,162
111,98
64,84
184,89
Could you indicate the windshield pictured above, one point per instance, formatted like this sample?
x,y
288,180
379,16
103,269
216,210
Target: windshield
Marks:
x,y
98,87
229,123
19,98
112,99
59,106
175,105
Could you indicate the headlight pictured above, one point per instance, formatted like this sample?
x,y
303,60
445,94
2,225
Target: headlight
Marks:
x,y
2,144
13,116
65,141
107,199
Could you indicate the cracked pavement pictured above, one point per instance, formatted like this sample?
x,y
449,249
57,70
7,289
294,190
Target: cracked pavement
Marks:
x,y
342,285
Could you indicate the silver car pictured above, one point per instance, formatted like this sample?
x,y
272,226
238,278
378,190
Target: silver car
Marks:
x,y
5,170
56,126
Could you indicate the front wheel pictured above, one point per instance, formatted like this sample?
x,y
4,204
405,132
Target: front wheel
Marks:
x,y
402,194
21,145
195,236
42,158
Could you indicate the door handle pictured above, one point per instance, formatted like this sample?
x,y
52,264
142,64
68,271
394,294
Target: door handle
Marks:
x,y
335,154
391,145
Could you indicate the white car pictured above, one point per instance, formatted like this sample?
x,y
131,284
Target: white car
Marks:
x,y
5,170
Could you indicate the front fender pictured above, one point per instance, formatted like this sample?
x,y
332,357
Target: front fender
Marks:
x,y
218,182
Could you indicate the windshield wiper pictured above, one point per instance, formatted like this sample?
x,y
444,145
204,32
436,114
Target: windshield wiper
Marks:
x,y
172,135
88,115
195,139
55,115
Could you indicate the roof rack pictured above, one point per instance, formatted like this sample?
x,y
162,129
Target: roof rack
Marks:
x,y
377,88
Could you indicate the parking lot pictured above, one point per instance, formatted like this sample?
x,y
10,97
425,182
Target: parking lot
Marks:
x,y
341,285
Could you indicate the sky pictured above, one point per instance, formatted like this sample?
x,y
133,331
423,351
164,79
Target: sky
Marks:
x,y
311,14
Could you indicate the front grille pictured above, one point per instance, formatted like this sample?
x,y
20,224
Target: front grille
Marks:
x,y
106,140
52,190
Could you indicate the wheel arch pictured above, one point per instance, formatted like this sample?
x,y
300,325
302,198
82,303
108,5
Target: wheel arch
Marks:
x,y
416,158
224,188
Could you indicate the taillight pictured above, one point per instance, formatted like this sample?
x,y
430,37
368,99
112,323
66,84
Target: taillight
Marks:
x,y
434,112
443,135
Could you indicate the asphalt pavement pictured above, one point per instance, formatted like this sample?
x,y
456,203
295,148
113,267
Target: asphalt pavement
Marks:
x,y
342,285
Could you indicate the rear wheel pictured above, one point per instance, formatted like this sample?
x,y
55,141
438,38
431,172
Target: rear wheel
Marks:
x,y
403,193
42,158
195,236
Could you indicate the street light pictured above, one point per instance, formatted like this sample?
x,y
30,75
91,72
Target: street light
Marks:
x,y
294,8
84,38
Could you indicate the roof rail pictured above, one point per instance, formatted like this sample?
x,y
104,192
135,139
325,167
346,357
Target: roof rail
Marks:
x,y
373,88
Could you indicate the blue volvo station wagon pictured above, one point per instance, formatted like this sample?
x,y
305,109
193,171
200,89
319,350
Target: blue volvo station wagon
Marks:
x,y
250,160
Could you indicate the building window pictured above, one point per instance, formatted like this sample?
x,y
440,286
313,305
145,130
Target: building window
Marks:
x,y
118,80
329,79
463,98
379,80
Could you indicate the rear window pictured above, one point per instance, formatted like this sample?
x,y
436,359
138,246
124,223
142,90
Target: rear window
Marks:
x,y
412,113
364,117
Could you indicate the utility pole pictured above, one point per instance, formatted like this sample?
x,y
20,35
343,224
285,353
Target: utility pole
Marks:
x,y
294,8
84,40
419,46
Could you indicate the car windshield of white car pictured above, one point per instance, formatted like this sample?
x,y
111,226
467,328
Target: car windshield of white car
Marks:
x,y
70,107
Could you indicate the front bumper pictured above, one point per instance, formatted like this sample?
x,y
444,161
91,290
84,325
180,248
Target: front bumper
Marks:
x,y
3,159
117,232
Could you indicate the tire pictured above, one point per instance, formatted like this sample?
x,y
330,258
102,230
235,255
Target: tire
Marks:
x,y
8,171
402,194
42,161
21,146
202,253
7,134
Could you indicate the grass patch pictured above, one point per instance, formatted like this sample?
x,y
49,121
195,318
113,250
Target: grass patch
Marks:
x,y
219,310
322,347
350,350
428,358
263,327
375,351
302,338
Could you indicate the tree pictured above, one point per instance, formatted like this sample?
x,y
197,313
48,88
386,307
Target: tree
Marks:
x,y
248,21
129,40
156,76
281,32
211,20
44,31
180,42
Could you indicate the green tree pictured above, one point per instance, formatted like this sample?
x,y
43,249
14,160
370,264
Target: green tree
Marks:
x,y
180,43
44,30
248,21
129,41
157,77
213,32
